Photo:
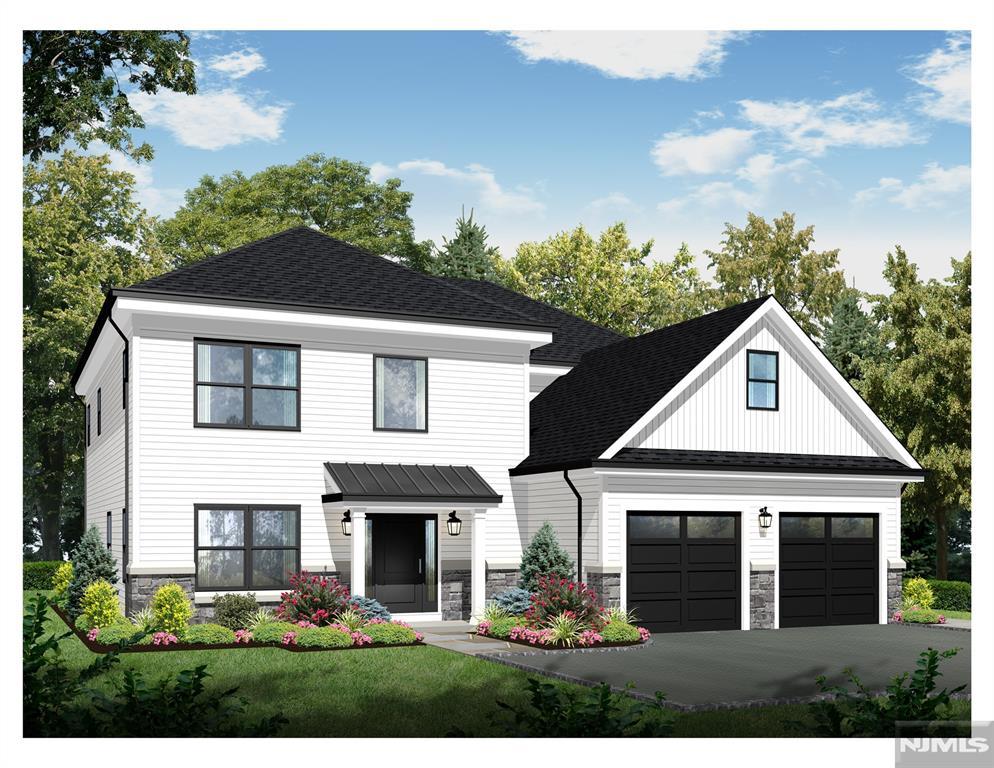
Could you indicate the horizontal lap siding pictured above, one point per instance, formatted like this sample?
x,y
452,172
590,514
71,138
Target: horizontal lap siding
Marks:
x,y
548,498
475,417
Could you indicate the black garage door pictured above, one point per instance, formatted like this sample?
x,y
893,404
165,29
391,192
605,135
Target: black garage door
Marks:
x,y
828,570
683,570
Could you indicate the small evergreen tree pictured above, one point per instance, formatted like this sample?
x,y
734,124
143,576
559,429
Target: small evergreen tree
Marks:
x,y
544,556
467,255
91,562
852,337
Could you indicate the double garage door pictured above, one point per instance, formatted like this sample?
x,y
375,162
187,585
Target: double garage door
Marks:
x,y
684,570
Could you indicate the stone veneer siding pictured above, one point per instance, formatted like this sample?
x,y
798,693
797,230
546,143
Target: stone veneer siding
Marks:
x,y
895,577
456,599
762,597
607,586
501,579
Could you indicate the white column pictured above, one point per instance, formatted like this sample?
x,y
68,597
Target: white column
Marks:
x,y
479,564
358,583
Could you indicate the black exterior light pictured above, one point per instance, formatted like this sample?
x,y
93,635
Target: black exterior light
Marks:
x,y
765,518
347,522
454,524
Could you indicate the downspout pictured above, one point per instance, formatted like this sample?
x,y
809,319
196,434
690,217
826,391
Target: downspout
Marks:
x,y
579,525
125,549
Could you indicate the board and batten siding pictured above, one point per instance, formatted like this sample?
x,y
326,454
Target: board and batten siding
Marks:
x,y
475,417
711,414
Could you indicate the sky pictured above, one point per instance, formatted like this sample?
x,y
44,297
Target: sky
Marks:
x,y
865,135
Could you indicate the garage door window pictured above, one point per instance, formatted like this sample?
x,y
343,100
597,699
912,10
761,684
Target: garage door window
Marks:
x,y
654,527
852,527
699,527
802,527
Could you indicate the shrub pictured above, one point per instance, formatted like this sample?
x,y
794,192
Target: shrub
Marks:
x,y
317,599
920,616
260,618
100,606
493,612
40,574
917,592
618,614
390,633
172,609
513,601
370,608
565,628
351,619
501,627
918,564
61,580
323,637
556,595
121,632
620,632
209,634
234,611
542,557
950,595
92,561
144,619
273,632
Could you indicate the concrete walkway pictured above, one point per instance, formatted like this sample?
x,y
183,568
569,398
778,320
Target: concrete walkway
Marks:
x,y
457,636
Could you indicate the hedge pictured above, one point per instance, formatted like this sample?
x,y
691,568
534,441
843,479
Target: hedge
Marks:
x,y
950,595
38,575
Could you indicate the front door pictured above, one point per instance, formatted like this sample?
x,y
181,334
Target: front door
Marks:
x,y
403,577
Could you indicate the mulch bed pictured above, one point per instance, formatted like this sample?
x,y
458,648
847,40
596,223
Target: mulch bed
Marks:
x,y
96,647
539,647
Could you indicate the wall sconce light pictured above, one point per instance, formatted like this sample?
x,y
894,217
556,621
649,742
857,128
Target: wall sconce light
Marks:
x,y
454,524
347,522
765,519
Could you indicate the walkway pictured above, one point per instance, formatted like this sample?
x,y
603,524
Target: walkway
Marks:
x,y
457,636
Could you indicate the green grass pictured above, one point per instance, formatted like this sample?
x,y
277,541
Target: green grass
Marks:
x,y
955,614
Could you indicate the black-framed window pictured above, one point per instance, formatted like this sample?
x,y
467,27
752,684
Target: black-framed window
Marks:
x,y
246,386
87,425
762,380
99,409
400,393
110,529
246,546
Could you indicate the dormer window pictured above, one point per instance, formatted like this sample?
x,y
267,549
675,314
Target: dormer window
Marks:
x,y
762,385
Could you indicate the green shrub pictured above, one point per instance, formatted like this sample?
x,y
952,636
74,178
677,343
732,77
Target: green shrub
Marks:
x,y
502,626
351,619
100,606
918,564
91,561
493,612
61,580
542,557
950,595
389,634
260,618
121,632
172,609
565,628
144,619
273,632
620,632
234,611
323,637
513,601
920,616
370,608
40,574
918,593
209,634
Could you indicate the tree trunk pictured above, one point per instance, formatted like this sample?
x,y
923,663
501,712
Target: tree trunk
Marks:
x,y
941,544
50,500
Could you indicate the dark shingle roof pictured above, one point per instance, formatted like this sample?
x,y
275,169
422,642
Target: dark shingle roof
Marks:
x,y
305,268
577,417
573,336
409,482
749,462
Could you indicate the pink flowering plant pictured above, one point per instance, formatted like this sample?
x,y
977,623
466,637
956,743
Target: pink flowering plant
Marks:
x,y
243,636
289,638
556,596
164,638
314,599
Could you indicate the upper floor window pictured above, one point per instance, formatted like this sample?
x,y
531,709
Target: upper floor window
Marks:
x,y
762,385
248,386
110,529
400,393
99,410
87,426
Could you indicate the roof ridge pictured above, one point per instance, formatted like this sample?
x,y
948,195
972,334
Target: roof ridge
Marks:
x,y
445,281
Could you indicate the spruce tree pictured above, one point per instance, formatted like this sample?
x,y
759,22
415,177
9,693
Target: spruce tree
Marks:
x,y
91,561
852,337
467,255
542,557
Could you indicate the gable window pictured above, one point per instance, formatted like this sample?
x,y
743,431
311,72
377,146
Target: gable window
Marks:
x,y
247,386
246,547
400,393
99,410
762,385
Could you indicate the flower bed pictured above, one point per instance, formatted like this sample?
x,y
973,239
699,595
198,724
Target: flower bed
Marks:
x,y
522,634
915,615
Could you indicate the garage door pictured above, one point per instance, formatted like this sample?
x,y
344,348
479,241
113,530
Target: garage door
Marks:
x,y
683,570
828,570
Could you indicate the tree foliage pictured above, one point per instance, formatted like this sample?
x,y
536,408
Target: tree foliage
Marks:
x,y
466,255
543,557
852,336
73,85
92,562
333,195
83,233
762,258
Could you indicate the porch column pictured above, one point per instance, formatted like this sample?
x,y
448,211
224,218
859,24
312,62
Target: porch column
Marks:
x,y
358,577
479,564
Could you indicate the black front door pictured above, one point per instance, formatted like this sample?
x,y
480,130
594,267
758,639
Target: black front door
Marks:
x,y
401,570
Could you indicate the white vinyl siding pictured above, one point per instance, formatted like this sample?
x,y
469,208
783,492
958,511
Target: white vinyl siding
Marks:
x,y
711,414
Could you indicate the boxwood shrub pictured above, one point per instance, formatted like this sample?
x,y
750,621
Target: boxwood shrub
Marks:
x,y
116,633
273,633
950,595
620,632
209,634
323,637
38,575
389,634
920,616
502,627
234,611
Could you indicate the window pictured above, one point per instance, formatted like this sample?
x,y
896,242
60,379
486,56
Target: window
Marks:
x,y
710,527
87,426
802,527
400,400
246,547
247,386
110,529
761,385
852,527
99,410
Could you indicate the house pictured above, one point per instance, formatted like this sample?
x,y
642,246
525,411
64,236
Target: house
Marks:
x,y
300,403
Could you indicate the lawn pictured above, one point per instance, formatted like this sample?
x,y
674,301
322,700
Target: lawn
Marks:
x,y
394,691
956,614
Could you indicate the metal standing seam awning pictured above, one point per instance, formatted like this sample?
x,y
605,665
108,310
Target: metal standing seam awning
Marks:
x,y
423,483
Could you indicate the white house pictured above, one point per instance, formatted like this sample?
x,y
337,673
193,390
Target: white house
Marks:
x,y
298,403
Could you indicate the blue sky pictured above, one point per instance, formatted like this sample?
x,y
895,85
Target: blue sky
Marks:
x,y
865,135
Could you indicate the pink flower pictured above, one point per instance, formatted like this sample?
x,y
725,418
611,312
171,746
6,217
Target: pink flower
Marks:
x,y
643,634
243,636
898,617
589,637
92,634
418,637
290,638
305,624
359,639
483,628
164,638
942,619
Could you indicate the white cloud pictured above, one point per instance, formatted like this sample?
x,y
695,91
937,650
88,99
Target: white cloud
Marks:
x,y
678,153
238,64
763,169
492,195
212,119
945,74
933,189
709,114
617,201
634,55
813,127
711,195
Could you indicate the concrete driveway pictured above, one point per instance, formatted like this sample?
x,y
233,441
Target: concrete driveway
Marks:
x,y
704,670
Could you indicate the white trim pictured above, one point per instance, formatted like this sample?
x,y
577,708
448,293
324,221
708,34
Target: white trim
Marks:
x,y
357,576
896,564
188,568
502,565
553,370
478,572
604,568
400,507
134,450
413,618
771,475
762,566
262,596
